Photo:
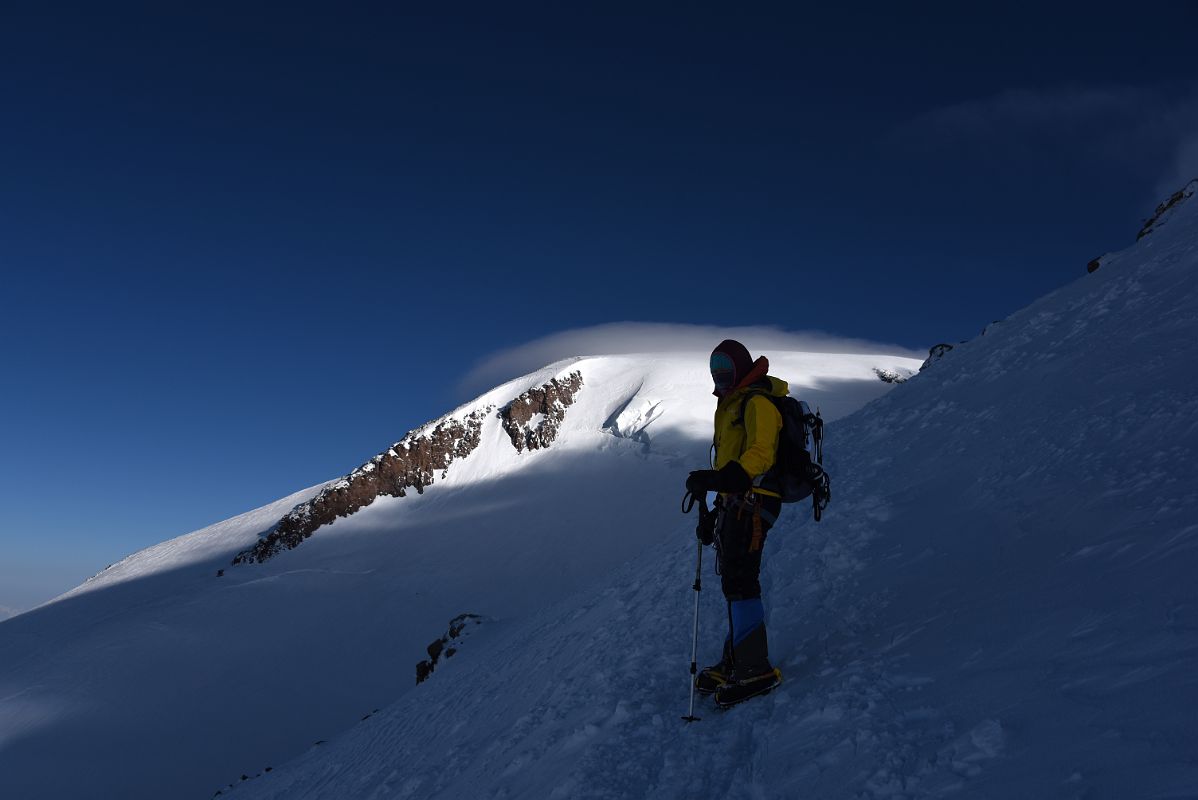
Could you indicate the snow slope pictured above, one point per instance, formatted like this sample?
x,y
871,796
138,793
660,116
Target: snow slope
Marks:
x,y
157,678
1000,602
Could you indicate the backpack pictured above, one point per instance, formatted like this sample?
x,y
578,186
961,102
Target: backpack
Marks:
x,y
794,473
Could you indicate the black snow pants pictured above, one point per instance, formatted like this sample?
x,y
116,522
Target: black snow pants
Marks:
x,y
740,540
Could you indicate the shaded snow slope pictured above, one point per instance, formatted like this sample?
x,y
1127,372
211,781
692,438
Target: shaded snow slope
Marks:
x,y
1000,602
157,678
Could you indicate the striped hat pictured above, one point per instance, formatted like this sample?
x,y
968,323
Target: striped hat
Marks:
x,y
730,363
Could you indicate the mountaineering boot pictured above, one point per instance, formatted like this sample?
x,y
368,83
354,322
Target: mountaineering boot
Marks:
x,y
711,678
753,674
744,684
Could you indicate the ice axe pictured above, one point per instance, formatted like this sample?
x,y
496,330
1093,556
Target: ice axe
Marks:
x,y
688,502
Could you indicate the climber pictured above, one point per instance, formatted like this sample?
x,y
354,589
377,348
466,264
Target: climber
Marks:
x,y
747,427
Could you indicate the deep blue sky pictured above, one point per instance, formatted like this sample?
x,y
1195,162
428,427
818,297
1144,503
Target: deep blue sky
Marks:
x,y
243,250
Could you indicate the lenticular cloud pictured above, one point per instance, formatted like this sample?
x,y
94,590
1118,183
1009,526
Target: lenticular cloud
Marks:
x,y
619,338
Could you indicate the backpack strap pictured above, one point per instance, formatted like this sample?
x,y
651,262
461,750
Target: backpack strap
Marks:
x,y
749,395
739,420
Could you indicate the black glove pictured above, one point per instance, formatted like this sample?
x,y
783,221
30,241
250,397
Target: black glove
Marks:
x,y
700,481
730,479
705,530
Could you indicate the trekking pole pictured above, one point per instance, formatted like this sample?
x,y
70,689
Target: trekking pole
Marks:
x,y
698,587
817,437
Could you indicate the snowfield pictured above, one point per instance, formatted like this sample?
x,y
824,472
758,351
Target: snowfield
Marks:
x,y
157,678
999,602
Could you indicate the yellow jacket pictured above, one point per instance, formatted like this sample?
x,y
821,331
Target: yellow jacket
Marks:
x,y
747,427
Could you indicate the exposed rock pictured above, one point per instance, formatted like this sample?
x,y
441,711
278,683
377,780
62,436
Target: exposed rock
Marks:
x,y
459,626
546,407
890,375
459,623
935,354
412,463
1162,212
417,460
1094,264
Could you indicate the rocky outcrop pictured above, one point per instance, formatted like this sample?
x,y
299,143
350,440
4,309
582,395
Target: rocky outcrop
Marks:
x,y
891,375
1094,264
447,645
1161,215
532,420
412,463
935,353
